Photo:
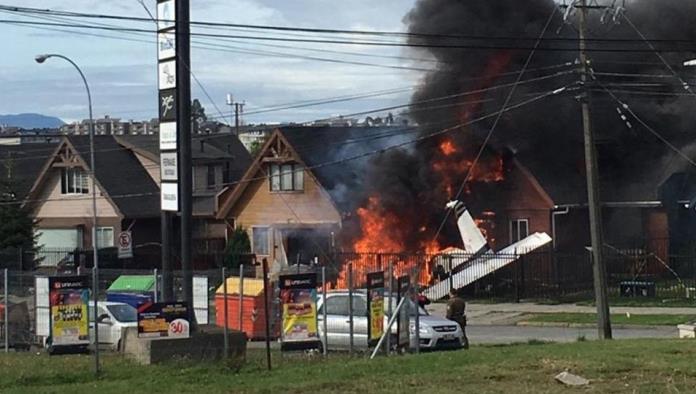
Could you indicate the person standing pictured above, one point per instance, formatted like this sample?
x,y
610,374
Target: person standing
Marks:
x,y
456,311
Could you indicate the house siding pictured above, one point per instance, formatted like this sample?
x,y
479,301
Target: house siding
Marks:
x,y
57,205
259,207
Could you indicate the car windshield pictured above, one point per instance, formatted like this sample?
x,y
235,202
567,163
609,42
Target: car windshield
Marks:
x,y
123,313
421,311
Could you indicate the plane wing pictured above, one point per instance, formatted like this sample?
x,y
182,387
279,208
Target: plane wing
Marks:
x,y
477,259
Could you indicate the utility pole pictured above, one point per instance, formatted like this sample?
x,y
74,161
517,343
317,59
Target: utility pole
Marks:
x,y
238,107
183,52
238,110
595,209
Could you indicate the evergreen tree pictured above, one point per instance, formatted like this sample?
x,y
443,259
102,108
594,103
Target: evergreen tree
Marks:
x,y
17,227
238,246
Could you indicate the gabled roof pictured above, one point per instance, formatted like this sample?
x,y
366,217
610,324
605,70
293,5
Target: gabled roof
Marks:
x,y
334,156
25,162
628,174
222,146
122,176
338,156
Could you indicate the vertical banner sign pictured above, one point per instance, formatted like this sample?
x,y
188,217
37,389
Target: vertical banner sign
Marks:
x,y
69,297
403,322
298,295
200,299
167,103
43,306
375,306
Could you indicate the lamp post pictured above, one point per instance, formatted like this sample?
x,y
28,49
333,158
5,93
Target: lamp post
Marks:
x,y
95,270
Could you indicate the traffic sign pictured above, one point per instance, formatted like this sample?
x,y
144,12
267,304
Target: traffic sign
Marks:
x,y
125,245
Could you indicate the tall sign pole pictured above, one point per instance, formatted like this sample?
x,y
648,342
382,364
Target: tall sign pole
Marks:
x,y
183,55
168,78
598,269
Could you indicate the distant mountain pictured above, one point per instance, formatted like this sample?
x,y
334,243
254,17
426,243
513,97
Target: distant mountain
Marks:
x,y
31,121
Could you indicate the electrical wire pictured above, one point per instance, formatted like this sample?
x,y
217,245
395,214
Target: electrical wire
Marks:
x,y
365,43
470,171
350,158
397,34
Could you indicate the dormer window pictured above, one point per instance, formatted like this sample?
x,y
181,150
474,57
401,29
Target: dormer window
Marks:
x,y
286,177
74,181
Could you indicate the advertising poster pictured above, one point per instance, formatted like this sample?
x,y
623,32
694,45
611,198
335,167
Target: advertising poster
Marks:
x,y
164,320
298,295
375,306
69,300
403,322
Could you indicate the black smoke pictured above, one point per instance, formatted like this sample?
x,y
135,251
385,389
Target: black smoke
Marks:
x,y
547,133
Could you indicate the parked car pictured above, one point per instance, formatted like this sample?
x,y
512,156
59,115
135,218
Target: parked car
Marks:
x,y
112,317
435,332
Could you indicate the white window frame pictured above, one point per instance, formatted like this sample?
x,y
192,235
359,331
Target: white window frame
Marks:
x,y
74,181
100,238
515,223
278,177
268,240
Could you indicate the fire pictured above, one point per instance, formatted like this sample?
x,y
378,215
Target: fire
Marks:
x,y
486,223
453,169
383,237
377,230
447,148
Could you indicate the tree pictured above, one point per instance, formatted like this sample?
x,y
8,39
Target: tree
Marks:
x,y
17,227
198,115
238,248
255,148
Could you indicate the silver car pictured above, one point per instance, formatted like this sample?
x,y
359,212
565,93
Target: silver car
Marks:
x,y
435,332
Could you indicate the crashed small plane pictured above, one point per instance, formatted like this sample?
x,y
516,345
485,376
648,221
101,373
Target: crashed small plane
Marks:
x,y
477,259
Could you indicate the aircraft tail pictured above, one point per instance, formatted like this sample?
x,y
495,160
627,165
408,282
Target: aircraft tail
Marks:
x,y
474,241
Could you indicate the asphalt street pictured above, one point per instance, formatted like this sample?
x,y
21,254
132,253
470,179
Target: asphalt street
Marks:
x,y
490,334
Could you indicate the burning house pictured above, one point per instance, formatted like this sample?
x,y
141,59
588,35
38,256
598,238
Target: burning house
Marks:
x,y
382,189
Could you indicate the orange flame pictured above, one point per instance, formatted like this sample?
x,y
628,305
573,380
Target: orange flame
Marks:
x,y
447,147
382,239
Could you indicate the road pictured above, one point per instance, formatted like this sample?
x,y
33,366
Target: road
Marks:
x,y
491,334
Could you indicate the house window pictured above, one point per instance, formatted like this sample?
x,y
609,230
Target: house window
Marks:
x,y
211,176
74,181
287,177
226,173
105,237
260,240
519,229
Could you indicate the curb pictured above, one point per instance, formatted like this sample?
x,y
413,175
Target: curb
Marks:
x,y
586,325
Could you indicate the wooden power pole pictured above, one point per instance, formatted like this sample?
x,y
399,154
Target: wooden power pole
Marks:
x,y
595,209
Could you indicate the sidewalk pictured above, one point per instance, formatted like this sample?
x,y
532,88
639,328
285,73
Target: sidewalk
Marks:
x,y
511,313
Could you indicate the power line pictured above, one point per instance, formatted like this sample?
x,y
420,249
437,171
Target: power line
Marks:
x,y
397,34
366,43
346,159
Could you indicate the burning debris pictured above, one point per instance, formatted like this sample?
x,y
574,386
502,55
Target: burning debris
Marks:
x,y
399,204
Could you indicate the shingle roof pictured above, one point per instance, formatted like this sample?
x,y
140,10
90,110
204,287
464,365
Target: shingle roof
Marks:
x,y
122,176
26,162
627,174
323,144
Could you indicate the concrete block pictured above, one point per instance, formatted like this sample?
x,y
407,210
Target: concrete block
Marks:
x,y
206,344
687,330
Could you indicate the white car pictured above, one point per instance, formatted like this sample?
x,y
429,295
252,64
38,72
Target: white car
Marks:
x,y
435,332
112,317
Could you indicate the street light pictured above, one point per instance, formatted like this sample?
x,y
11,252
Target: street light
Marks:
x,y
95,275
690,63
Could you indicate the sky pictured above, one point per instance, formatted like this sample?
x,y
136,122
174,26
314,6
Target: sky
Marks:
x,y
122,74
